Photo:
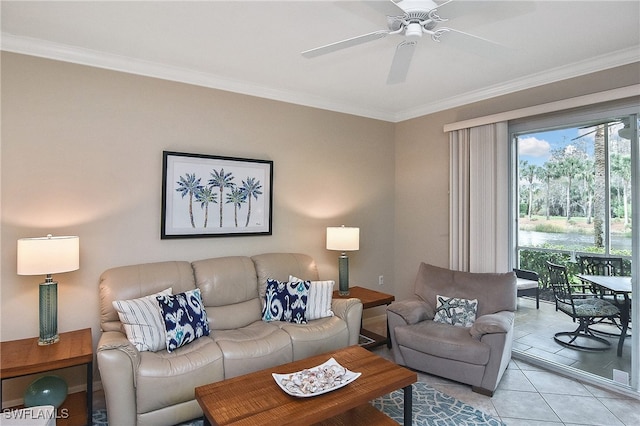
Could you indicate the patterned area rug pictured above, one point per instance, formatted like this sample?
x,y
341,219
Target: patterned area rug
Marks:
x,y
430,408
433,408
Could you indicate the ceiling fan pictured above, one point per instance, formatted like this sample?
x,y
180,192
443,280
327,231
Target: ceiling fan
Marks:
x,y
409,18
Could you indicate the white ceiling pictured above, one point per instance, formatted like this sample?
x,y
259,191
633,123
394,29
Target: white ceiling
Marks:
x,y
254,47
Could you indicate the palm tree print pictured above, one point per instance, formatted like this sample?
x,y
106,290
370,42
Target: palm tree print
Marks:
x,y
222,181
188,184
251,188
236,197
217,184
205,197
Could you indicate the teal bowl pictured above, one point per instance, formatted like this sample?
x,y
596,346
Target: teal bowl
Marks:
x,y
47,390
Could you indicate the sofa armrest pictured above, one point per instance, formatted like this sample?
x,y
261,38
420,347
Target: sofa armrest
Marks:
x,y
350,310
412,311
118,361
500,322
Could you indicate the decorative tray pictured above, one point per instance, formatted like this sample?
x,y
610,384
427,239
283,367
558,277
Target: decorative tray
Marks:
x,y
315,381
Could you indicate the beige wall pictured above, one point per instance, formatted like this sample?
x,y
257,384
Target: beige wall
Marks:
x,y
82,155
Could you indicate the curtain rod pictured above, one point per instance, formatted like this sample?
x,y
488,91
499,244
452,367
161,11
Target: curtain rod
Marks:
x,y
578,101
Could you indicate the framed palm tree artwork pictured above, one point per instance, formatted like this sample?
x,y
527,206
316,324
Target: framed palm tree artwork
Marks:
x,y
213,196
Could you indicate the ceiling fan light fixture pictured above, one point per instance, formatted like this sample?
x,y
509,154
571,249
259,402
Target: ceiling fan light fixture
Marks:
x,y
625,132
413,30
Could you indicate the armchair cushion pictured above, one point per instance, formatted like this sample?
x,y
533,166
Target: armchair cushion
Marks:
x,y
412,310
443,341
495,291
492,323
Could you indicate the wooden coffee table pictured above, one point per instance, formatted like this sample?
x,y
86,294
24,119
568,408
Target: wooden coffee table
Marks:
x,y
255,398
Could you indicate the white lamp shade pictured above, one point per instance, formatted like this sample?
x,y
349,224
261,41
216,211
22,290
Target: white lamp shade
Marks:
x,y
48,255
343,238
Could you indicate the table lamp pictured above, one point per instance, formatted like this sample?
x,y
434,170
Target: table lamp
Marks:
x,y
45,256
343,239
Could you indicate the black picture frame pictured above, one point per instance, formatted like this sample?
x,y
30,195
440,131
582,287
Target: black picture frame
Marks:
x,y
214,196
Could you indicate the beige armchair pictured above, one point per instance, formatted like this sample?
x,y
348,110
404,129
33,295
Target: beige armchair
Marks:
x,y
476,353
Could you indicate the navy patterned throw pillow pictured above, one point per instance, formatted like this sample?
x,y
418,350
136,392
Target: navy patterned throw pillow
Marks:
x,y
184,318
286,301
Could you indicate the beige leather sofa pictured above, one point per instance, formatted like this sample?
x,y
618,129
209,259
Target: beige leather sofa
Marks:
x,y
157,388
477,355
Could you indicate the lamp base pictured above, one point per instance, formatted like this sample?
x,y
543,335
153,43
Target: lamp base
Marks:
x,y
343,274
48,341
48,313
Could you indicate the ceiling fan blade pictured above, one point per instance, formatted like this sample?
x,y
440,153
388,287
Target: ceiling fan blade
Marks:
x,y
485,10
386,7
401,62
471,43
350,42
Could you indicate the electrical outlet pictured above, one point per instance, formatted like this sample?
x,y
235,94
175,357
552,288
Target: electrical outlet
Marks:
x,y
381,280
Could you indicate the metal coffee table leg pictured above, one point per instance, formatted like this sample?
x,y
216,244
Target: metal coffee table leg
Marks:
x,y
408,405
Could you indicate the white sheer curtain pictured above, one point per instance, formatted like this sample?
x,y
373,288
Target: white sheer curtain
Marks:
x,y
479,199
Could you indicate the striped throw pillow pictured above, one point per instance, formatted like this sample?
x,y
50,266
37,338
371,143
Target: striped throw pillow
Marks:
x,y
319,300
142,321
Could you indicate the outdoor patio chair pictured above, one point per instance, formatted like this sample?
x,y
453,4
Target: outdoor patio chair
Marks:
x,y
583,308
526,285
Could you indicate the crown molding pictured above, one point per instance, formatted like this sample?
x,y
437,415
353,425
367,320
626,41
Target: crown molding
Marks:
x,y
577,69
82,56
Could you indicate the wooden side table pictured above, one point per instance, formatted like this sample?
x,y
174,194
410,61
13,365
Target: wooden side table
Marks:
x,y
370,299
25,357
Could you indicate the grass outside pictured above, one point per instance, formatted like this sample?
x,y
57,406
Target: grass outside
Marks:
x,y
576,225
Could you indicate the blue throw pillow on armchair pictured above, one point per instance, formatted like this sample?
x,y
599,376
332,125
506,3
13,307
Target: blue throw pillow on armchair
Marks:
x,y
184,318
286,301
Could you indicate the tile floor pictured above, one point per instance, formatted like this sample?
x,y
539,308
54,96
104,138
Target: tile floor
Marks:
x,y
534,330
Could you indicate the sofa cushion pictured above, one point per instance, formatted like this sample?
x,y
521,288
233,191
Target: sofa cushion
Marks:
x,y
279,266
167,378
225,280
184,317
135,281
318,336
455,311
254,347
286,301
142,321
319,301
444,341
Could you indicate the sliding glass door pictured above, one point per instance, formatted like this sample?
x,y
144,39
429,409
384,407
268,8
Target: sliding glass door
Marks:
x,y
575,195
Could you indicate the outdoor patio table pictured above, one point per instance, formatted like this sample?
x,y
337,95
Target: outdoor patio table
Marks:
x,y
618,285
